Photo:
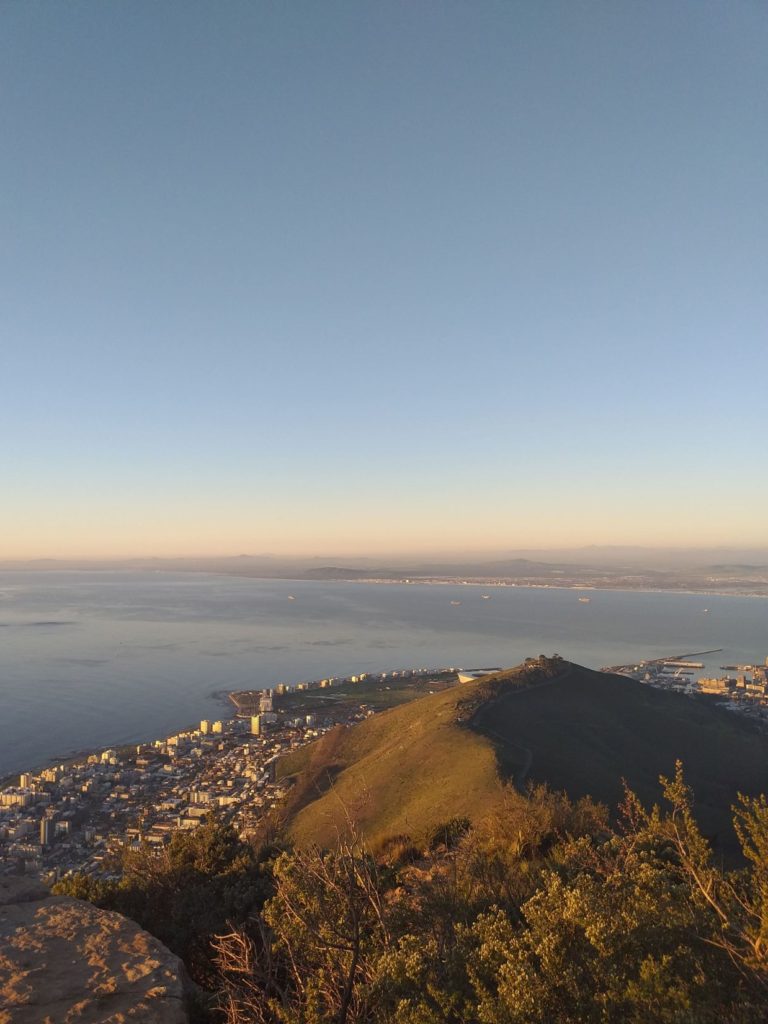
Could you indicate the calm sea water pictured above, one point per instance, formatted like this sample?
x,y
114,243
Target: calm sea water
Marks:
x,y
89,660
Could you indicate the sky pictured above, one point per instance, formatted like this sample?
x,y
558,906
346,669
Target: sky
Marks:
x,y
301,278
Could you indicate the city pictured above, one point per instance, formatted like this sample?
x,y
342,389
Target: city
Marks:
x,y
74,816
745,693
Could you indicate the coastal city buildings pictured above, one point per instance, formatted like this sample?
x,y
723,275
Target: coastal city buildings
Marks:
x,y
74,816
745,693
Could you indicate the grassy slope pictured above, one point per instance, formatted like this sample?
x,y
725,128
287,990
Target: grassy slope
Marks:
x,y
410,768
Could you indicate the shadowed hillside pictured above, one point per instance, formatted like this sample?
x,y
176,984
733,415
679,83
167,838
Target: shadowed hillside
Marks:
x,y
448,755
585,732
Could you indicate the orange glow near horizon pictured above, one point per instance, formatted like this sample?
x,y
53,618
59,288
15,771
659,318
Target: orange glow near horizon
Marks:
x,y
356,532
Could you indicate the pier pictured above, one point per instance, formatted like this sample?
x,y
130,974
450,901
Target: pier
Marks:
x,y
681,659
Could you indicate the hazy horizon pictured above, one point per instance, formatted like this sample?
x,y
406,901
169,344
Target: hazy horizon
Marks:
x,y
595,554
377,278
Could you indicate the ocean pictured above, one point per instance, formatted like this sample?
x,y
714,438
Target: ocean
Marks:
x,y
96,659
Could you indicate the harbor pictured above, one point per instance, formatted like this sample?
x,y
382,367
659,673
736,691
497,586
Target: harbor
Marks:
x,y
745,693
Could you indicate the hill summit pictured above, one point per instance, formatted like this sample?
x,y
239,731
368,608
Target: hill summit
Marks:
x,y
456,753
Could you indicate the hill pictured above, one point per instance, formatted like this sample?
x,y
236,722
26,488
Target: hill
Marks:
x,y
403,770
408,769
586,732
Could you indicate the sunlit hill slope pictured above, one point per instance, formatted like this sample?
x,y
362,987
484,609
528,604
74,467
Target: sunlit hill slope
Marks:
x,y
450,754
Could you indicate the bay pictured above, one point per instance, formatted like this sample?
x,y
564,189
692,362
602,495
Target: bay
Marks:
x,y
96,659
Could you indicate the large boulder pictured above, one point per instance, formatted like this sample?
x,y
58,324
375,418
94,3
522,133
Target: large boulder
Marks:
x,y
63,961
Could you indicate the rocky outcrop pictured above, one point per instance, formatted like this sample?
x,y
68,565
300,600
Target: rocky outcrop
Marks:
x,y
63,961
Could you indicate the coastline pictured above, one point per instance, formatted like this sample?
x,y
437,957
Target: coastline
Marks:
x,y
493,584
467,628
759,590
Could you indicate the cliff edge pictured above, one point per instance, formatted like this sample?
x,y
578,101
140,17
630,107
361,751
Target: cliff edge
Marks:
x,y
63,960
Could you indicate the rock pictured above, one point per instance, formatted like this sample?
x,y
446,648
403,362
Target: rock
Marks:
x,y
64,961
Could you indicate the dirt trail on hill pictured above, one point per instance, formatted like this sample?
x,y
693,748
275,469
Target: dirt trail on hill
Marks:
x,y
478,721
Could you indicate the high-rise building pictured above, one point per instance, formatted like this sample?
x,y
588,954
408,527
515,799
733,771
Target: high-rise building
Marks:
x,y
256,725
25,781
46,831
205,727
217,727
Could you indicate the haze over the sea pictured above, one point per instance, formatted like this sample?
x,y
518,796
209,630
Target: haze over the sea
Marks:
x,y
369,277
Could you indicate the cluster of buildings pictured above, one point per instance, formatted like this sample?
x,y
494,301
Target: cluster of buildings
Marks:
x,y
75,816
745,693
261,703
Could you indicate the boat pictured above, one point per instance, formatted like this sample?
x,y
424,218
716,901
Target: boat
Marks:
x,y
486,597
455,602
291,597
585,600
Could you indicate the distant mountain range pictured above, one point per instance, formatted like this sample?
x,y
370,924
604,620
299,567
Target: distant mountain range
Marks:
x,y
630,569
511,568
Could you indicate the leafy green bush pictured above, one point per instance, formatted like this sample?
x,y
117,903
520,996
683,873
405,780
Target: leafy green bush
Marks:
x,y
577,923
540,914
200,884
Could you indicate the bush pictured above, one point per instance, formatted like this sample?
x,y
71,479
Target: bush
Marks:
x,y
574,923
185,893
448,833
398,850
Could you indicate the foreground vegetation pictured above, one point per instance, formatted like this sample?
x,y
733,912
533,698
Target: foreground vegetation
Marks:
x,y
541,912
407,883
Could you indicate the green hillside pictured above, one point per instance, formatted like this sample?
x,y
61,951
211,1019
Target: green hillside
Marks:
x,y
403,770
410,768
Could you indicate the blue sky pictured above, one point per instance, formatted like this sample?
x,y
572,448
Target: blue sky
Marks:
x,y
347,277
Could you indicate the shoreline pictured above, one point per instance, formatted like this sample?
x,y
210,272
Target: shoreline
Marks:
x,y
492,585
219,695
495,583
